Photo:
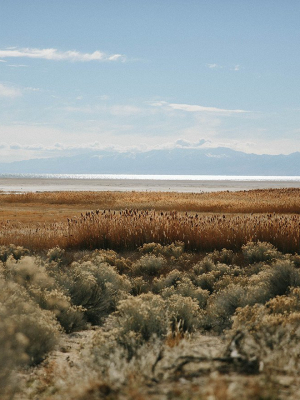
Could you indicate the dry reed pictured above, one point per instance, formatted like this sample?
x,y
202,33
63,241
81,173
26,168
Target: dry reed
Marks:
x,y
129,229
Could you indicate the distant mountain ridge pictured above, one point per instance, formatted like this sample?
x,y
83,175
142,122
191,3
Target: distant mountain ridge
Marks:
x,y
200,161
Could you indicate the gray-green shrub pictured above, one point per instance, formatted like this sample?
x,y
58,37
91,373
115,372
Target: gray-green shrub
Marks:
x,y
283,275
186,288
184,312
139,286
172,250
38,326
70,317
137,320
12,250
222,305
171,279
150,265
260,251
12,343
96,287
28,271
145,315
223,256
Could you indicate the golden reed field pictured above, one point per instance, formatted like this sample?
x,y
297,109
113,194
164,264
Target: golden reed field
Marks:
x,y
127,220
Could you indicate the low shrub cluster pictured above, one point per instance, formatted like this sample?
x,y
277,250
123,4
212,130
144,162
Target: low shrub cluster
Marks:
x,y
28,332
206,297
148,301
271,331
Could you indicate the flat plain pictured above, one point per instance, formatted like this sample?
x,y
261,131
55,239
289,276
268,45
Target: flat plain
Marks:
x,y
150,295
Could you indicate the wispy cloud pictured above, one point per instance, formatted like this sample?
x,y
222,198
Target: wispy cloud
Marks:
x,y
32,89
197,108
214,66
116,110
8,91
59,147
236,67
125,110
18,146
17,65
54,54
188,143
95,146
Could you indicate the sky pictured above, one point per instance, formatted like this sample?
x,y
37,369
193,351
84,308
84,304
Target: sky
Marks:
x,y
82,75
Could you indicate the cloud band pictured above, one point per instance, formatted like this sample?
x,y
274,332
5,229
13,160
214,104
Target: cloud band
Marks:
x,y
54,54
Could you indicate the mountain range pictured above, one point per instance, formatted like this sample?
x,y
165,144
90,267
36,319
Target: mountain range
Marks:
x,y
179,161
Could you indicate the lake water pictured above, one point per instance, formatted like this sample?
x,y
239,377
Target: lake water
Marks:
x,y
170,183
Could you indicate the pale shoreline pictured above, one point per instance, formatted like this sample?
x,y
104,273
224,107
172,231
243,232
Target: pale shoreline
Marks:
x,y
21,185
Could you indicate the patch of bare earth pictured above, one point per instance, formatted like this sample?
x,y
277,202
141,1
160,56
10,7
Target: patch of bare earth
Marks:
x,y
64,373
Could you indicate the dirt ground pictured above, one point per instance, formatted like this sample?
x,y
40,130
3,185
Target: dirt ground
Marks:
x,y
68,373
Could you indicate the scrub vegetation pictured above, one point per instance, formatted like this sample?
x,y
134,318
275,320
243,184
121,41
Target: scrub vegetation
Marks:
x,y
177,314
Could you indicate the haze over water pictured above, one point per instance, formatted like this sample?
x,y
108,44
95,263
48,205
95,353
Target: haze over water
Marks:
x,y
113,182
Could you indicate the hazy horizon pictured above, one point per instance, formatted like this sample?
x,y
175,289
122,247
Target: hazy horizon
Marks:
x,y
176,161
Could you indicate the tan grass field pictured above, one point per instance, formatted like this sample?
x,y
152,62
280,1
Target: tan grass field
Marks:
x,y
62,203
126,220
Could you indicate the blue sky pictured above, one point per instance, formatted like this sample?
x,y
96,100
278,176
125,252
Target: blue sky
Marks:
x,y
79,75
